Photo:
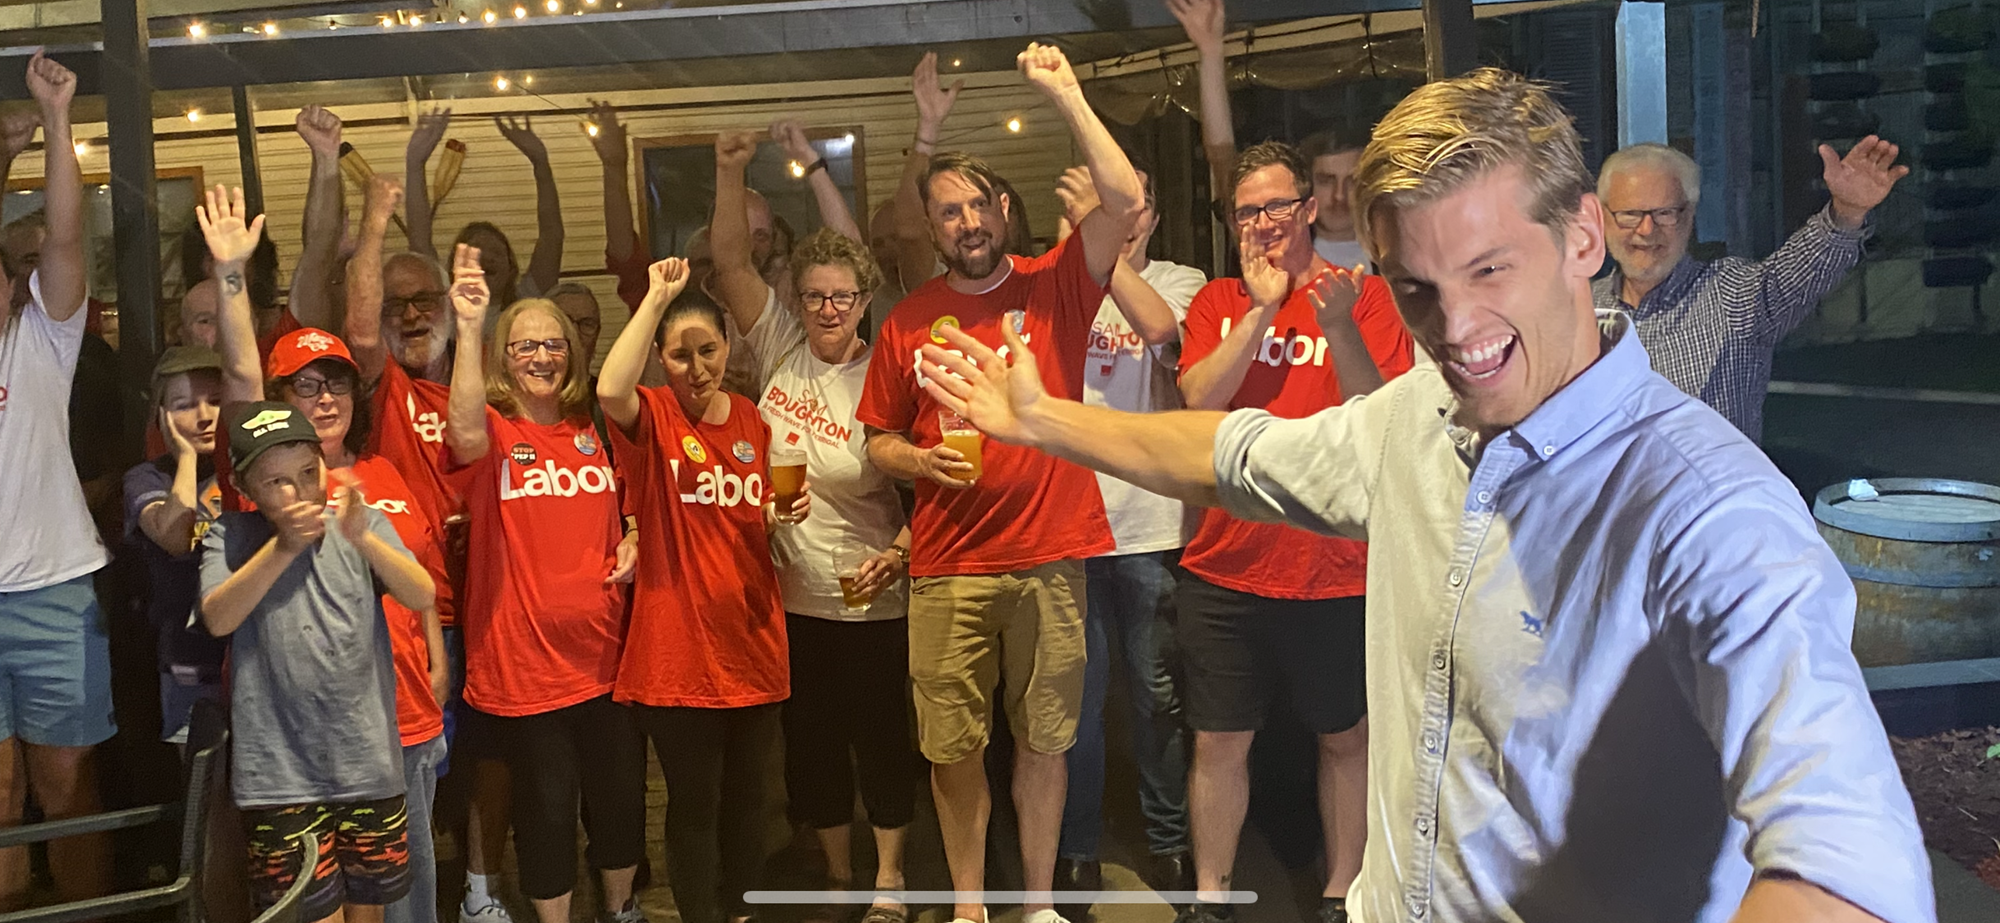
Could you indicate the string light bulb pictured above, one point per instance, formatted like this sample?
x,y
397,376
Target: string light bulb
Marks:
x,y
847,138
798,170
553,6
528,80
388,23
590,128
462,19
489,17
194,115
1014,125
955,62
500,83
197,30
270,28
520,12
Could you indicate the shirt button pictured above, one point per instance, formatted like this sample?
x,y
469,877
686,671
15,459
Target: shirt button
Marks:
x,y
1457,576
1430,742
1548,450
1486,496
1437,660
1423,826
1417,907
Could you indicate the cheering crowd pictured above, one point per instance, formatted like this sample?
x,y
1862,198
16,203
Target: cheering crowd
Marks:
x,y
1568,642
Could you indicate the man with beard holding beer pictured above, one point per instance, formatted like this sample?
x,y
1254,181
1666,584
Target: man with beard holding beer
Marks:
x,y
997,570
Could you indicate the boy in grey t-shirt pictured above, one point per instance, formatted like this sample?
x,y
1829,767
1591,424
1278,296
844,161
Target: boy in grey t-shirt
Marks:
x,y
312,685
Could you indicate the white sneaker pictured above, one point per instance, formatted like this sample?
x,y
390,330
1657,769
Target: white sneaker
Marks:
x,y
1044,916
491,912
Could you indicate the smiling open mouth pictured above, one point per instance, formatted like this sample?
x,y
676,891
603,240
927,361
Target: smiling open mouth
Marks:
x,y
1482,360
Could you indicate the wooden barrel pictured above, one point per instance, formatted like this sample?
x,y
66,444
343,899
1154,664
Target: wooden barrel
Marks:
x,y
1925,557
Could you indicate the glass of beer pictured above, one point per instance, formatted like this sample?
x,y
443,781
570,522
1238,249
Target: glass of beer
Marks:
x,y
959,434
788,478
848,558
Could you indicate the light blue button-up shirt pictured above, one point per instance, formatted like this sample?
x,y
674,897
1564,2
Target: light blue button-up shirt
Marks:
x,y
1608,665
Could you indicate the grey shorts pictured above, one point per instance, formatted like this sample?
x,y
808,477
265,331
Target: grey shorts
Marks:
x,y
55,666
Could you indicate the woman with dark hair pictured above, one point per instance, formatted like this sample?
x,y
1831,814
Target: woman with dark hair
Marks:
x,y
845,724
312,370
704,663
544,612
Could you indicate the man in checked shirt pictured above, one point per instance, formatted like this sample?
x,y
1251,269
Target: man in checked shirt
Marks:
x,y
1711,327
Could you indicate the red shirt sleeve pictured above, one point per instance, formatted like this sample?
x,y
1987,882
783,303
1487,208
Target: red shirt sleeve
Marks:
x,y
631,273
1382,330
888,399
1078,296
1201,332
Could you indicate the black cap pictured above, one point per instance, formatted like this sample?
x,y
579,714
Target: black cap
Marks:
x,y
256,427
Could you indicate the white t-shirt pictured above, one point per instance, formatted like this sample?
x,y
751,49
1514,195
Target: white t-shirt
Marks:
x,y
1123,373
50,536
1343,253
852,500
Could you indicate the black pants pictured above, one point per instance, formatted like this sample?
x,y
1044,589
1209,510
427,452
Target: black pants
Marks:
x,y
589,749
714,760
850,693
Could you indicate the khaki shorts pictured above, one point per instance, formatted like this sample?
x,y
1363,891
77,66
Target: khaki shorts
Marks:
x,y
967,633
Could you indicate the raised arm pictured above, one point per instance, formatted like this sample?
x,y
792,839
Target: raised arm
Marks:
x,y
916,256
742,291
607,138
1120,196
1333,294
1792,280
833,210
418,216
465,415
61,266
17,131
1211,382
1203,22
232,236
1171,454
311,296
363,327
545,266
618,381
1144,310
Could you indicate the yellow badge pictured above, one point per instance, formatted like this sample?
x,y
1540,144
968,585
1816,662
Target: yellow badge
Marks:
x,y
945,321
695,452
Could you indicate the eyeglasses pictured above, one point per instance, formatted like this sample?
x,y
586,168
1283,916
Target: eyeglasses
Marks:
x,y
587,326
1669,217
1276,211
523,349
841,301
307,387
426,302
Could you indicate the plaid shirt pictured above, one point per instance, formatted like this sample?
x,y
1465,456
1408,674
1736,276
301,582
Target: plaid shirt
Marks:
x,y
1710,328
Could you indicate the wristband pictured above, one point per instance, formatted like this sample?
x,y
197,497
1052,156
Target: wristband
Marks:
x,y
819,164
901,552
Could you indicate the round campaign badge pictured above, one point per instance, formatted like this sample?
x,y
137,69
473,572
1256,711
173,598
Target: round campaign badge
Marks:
x,y
743,452
586,443
945,321
523,453
695,452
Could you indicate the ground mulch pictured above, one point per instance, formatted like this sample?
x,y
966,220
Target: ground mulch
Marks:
x,y
1957,793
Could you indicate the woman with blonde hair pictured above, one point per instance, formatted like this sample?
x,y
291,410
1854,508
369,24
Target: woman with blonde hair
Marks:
x,y
544,616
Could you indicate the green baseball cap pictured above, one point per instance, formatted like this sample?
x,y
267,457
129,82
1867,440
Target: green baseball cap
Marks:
x,y
258,427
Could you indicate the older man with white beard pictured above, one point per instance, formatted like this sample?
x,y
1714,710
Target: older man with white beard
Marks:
x,y
1710,327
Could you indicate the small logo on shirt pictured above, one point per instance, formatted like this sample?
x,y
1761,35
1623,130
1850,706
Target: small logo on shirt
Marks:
x,y
942,322
743,452
1531,625
692,447
586,443
792,438
523,454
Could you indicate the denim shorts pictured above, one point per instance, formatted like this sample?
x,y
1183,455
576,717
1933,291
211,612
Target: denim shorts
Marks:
x,y
55,666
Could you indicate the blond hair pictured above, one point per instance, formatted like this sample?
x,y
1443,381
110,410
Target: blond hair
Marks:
x,y
573,395
828,247
1449,133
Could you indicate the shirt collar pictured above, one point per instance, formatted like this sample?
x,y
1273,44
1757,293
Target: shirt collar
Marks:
x,y
1664,296
1592,396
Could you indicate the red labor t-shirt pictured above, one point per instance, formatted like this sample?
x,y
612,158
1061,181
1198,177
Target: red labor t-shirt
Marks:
x,y
409,430
708,627
1028,507
542,629
418,716
1291,376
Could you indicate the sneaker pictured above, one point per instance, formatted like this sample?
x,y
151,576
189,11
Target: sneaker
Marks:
x,y
490,912
1044,916
1332,910
630,914
1207,912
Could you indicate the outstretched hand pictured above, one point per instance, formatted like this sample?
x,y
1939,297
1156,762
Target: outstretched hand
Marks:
x,y
1203,22
1267,285
430,130
609,138
469,296
1333,294
521,133
1078,194
1862,179
934,102
232,236
991,393
347,507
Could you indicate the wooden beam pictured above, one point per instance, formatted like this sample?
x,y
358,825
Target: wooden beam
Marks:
x,y
1451,47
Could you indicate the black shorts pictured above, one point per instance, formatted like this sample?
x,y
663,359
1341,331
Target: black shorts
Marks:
x,y
1240,650
364,853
